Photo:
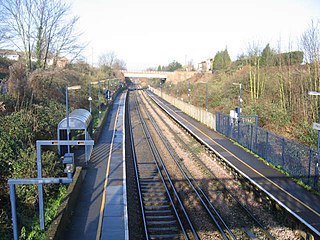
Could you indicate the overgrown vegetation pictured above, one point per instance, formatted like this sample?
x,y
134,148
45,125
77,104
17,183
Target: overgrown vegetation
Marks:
x,y
275,86
31,110
40,34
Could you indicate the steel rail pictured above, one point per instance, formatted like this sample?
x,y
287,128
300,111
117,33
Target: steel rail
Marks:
x,y
195,186
150,144
244,208
137,174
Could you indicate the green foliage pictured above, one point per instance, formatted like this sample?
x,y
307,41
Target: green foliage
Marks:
x,y
7,153
305,133
289,58
4,67
173,66
33,108
267,56
221,60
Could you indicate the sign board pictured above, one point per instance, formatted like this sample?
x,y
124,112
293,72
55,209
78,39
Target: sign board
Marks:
x,y
316,126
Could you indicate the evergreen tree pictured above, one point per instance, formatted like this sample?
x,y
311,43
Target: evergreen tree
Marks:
x,y
173,66
221,60
268,56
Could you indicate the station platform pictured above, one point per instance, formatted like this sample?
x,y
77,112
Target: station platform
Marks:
x,y
101,210
298,201
114,221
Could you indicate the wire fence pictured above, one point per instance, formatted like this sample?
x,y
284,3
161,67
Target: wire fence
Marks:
x,y
298,160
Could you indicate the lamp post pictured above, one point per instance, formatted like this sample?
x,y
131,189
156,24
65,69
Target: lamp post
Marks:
x,y
90,98
317,127
207,95
207,103
189,91
67,110
239,111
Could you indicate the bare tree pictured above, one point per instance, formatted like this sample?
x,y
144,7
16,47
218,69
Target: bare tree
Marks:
x,y
107,59
42,29
119,65
109,63
310,42
256,85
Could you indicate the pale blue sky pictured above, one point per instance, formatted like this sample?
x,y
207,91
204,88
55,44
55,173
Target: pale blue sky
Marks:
x,y
148,33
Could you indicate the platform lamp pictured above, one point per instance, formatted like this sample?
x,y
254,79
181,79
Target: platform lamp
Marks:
x,y
207,95
90,98
317,127
189,92
67,110
239,110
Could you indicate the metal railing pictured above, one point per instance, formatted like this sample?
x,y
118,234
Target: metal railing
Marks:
x,y
299,161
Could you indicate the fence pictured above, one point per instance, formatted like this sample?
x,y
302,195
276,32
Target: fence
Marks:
x,y
207,118
298,160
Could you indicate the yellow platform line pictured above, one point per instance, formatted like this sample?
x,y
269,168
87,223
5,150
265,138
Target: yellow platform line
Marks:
x,y
253,169
104,194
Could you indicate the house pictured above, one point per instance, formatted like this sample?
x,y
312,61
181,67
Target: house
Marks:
x,y
205,66
10,54
202,66
62,62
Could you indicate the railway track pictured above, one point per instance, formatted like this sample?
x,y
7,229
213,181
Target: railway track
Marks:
x,y
246,224
164,216
189,189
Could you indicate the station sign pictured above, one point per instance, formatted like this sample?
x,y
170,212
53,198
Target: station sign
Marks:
x,y
316,126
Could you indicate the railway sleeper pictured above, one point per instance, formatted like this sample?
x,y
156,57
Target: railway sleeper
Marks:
x,y
148,182
152,190
162,229
148,177
154,193
160,217
154,212
153,196
155,202
150,207
161,223
164,236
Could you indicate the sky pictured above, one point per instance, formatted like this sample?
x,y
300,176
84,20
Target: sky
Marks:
x,y
149,33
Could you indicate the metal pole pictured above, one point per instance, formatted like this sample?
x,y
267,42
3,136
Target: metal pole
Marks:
x,y
90,98
108,91
239,116
67,116
40,186
207,104
189,90
41,208
316,172
99,99
12,190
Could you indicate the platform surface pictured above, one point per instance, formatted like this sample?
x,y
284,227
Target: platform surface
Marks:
x,y
85,219
300,202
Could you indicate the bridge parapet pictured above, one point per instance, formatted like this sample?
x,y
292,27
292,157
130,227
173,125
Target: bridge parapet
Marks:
x,y
176,76
145,74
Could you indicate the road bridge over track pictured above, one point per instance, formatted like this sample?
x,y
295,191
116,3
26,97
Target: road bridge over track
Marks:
x,y
176,76
145,74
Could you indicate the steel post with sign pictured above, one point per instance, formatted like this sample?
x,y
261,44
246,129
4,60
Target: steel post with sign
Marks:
x,y
40,181
317,127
